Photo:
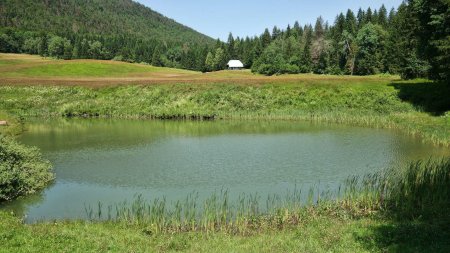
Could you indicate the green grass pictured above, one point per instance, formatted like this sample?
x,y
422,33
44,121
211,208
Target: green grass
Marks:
x,y
86,69
15,124
10,62
319,234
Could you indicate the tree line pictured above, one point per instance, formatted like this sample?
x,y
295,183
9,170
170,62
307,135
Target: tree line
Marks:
x,y
121,48
412,40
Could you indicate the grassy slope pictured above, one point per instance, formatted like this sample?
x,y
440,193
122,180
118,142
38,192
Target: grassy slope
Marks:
x,y
23,66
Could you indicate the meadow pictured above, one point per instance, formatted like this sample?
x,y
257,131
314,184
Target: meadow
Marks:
x,y
402,209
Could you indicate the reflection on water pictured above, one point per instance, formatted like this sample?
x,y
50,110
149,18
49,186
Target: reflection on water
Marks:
x,y
111,160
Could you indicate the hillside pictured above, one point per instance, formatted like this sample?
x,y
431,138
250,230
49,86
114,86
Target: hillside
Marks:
x,y
95,17
95,29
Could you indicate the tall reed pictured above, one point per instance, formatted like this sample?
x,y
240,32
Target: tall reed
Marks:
x,y
421,188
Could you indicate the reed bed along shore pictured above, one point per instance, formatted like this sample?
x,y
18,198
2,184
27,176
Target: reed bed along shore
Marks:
x,y
402,209
417,190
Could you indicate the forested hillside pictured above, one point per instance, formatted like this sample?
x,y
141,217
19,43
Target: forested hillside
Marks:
x,y
98,29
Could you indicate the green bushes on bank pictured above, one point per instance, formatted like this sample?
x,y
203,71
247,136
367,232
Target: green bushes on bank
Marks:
x,y
22,169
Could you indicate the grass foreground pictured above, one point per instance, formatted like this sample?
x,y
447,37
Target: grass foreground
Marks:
x,y
319,233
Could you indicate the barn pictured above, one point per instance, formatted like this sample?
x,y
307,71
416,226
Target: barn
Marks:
x,y
235,65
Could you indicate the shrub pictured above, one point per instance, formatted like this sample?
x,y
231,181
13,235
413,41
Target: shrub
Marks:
x,y
118,58
23,170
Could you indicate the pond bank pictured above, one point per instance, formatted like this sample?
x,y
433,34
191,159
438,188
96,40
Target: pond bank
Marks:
x,y
373,103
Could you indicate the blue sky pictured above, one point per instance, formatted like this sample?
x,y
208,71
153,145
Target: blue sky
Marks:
x,y
217,18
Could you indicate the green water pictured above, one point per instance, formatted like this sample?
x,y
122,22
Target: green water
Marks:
x,y
113,160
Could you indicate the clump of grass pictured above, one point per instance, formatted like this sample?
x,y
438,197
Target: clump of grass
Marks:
x,y
421,189
216,213
15,124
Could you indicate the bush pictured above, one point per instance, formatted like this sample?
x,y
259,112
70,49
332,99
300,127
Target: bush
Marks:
x,y
290,69
118,58
22,169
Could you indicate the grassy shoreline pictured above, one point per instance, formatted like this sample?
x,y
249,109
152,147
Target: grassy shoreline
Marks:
x,y
399,210
321,232
372,104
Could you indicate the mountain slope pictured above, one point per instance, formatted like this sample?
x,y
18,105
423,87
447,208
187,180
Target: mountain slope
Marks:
x,y
95,17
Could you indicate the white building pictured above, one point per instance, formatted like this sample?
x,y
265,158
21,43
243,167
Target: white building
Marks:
x,y
235,64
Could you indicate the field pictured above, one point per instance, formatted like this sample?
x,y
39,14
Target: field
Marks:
x,y
31,70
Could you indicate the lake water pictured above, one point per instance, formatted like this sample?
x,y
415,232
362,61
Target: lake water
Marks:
x,y
113,160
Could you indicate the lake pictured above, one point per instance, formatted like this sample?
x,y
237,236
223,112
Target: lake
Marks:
x,y
113,160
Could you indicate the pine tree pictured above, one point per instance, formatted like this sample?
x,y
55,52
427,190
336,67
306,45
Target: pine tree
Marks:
x,y
297,30
288,32
230,47
219,59
350,22
43,45
266,38
360,17
382,16
339,26
209,62
275,33
156,58
368,17
305,66
319,28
